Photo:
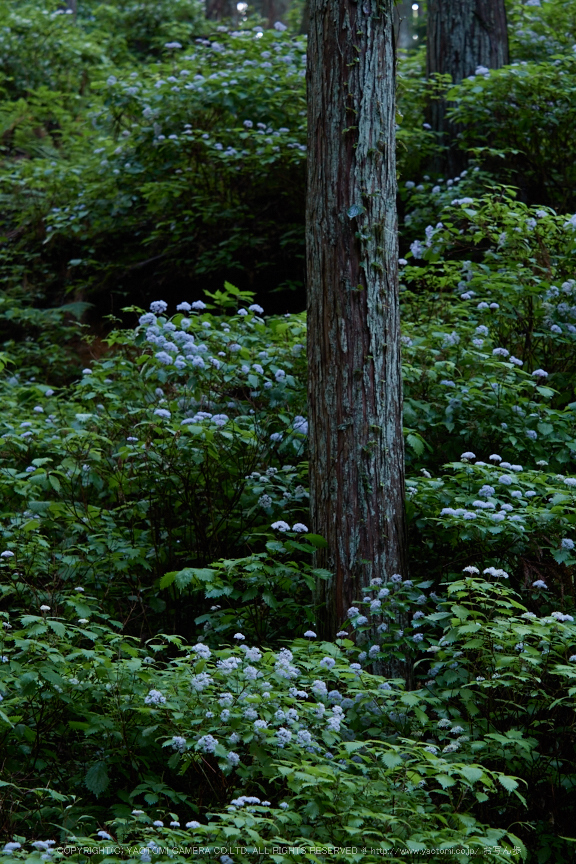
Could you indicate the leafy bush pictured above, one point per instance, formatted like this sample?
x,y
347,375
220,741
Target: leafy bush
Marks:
x,y
525,113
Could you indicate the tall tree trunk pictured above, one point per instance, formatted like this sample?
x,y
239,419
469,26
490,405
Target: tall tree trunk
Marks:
x,y
272,10
216,10
462,35
355,386
305,23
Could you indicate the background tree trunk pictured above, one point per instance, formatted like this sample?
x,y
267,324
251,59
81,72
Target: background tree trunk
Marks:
x,y
462,35
216,10
272,10
355,386
305,23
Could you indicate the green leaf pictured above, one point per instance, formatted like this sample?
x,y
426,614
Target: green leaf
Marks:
x,y
508,783
56,626
168,579
472,773
391,759
317,540
97,779
415,443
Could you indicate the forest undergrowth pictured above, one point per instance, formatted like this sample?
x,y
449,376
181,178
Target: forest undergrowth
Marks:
x,y
162,686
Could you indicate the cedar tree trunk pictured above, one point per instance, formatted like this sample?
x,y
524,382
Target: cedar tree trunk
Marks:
x,y
216,10
355,384
305,23
462,35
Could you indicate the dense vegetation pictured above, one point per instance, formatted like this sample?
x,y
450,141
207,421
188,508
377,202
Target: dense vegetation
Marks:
x,y
161,684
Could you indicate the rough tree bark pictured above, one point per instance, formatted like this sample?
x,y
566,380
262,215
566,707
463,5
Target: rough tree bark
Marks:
x,y
355,386
461,36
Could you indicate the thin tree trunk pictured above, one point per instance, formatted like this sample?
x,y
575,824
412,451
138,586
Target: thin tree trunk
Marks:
x,y
355,386
461,36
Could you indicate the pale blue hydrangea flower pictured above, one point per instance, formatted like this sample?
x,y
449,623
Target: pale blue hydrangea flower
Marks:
x,y
283,737
207,744
154,697
319,688
200,682
492,571
417,249
158,307
230,664
202,650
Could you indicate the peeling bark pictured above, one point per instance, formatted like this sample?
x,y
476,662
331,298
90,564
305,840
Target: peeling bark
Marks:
x,y
462,35
355,385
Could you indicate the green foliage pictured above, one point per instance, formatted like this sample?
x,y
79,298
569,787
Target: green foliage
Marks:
x,y
542,30
174,163
161,482
520,120
160,681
